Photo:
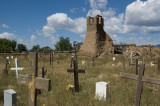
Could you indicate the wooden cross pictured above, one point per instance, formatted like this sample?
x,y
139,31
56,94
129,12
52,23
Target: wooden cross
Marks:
x,y
157,62
135,65
32,81
140,78
76,71
6,68
71,62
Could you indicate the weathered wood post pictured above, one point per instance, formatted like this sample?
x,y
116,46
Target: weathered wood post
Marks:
x,y
6,66
136,66
71,62
123,62
139,85
32,81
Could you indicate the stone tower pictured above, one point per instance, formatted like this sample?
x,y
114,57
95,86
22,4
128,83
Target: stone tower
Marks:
x,y
97,41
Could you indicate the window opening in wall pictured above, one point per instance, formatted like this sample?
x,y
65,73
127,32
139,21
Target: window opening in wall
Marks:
x,y
99,20
91,20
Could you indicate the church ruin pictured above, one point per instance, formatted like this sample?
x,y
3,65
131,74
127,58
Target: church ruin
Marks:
x,y
97,41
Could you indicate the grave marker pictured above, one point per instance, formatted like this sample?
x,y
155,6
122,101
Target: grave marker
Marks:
x,y
157,62
140,78
101,90
123,62
9,97
32,81
131,64
17,68
76,71
6,68
71,62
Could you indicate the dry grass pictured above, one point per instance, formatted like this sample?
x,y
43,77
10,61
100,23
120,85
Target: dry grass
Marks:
x,y
121,91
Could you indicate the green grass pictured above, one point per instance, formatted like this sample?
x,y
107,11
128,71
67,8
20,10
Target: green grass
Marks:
x,y
121,91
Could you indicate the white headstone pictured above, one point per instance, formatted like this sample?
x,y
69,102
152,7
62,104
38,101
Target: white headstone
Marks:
x,y
101,90
113,58
152,63
11,57
9,97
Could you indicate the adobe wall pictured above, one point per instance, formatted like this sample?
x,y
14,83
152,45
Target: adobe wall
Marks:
x,y
97,41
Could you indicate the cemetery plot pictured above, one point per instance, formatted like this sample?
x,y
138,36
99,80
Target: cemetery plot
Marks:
x,y
140,78
32,81
76,71
120,91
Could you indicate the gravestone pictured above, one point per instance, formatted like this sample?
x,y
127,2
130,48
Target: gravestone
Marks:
x,y
76,71
32,81
136,64
101,90
6,67
9,97
158,63
17,68
140,79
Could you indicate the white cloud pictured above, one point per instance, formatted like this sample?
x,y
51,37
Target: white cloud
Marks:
x,y
33,38
144,16
4,26
83,9
7,35
11,36
98,4
62,21
73,10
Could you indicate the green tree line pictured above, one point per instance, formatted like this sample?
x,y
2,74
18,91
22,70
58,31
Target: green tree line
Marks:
x,y
7,46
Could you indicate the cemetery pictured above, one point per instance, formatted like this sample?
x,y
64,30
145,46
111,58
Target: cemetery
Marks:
x,y
92,75
119,91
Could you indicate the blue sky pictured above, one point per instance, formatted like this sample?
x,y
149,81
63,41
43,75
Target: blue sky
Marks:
x,y
42,22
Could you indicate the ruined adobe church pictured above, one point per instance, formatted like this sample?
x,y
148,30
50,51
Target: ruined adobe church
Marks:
x,y
97,41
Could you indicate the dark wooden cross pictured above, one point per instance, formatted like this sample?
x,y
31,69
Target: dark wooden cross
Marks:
x,y
135,65
140,79
32,81
6,68
76,71
71,62
157,62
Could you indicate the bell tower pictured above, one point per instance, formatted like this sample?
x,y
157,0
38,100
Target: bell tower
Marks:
x,y
95,40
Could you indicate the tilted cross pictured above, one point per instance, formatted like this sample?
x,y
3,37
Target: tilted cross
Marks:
x,y
140,78
32,81
157,62
17,68
76,71
131,64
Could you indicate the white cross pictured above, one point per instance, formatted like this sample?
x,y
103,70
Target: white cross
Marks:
x,y
17,68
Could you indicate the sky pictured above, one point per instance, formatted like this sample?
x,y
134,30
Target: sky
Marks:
x,y
43,22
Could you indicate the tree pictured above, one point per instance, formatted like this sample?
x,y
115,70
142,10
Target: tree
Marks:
x,y
35,48
14,44
46,49
21,48
63,44
5,46
77,45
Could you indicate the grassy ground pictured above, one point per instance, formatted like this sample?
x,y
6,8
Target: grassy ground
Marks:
x,y
121,91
